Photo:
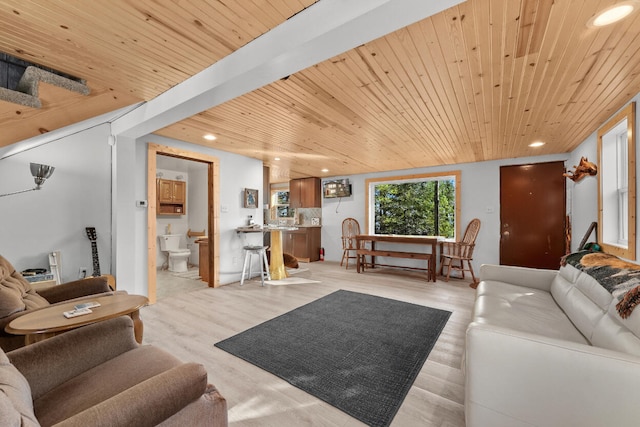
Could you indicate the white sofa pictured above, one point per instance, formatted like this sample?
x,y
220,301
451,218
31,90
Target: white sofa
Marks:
x,y
548,348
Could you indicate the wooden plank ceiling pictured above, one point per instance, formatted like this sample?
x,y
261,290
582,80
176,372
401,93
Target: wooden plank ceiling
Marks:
x,y
477,82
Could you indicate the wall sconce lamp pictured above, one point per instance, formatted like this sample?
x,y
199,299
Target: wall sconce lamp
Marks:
x,y
40,174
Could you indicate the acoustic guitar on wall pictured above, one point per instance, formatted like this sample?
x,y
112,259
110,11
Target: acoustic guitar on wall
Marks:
x,y
93,238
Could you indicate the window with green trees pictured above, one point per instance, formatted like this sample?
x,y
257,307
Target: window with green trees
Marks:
x,y
415,206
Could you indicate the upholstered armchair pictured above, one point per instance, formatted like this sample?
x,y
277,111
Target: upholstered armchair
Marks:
x,y
17,297
99,376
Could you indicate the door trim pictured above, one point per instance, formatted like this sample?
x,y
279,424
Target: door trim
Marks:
x,y
213,192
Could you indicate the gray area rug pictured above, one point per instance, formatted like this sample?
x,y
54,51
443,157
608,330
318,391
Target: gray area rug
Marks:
x,y
357,352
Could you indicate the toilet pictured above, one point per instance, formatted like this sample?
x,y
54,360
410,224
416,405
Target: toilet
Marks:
x,y
178,257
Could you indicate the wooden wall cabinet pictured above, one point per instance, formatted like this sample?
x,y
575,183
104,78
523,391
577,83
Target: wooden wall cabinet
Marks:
x,y
172,197
303,243
305,193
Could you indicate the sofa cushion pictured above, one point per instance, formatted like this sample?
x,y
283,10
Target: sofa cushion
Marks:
x,y
102,382
583,300
16,294
16,407
592,309
523,309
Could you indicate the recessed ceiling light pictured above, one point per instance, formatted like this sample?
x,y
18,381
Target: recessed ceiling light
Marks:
x,y
536,144
209,137
277,158
325,170
613,14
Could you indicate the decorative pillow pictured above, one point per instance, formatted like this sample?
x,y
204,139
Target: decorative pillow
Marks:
x,y
16,294
15,396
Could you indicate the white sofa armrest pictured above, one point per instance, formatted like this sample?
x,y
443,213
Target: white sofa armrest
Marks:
x,y
519,379
521,276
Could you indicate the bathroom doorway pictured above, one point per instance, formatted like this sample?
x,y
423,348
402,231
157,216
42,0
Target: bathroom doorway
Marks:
x,y
211,171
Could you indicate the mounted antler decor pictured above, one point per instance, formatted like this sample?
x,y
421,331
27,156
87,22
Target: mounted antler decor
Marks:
x,y
583,169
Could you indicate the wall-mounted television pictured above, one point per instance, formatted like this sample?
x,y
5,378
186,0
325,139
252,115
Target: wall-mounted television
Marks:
x,y
337,188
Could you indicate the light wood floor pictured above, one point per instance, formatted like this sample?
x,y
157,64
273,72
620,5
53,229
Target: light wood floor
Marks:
x,y
169,285
188,325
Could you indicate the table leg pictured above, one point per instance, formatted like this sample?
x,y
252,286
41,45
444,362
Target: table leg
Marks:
x,y
276,267
34,338
138,327
373,258
434,260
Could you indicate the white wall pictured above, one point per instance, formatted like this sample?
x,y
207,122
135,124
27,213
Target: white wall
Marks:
x,y
480,184
79,195
584,194
236,173
197,194
76,196
481,189
83,190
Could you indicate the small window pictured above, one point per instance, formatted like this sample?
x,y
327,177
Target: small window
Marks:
x,y
280,204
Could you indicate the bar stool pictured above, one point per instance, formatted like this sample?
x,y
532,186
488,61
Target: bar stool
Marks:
x,y
261,251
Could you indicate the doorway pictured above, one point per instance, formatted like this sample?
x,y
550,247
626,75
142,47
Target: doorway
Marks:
x,y
213,187
532,215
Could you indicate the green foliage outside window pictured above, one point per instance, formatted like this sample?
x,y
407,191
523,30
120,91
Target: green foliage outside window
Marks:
x,y
425,208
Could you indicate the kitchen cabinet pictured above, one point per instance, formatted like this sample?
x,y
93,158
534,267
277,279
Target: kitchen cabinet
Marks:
x,y
305,193
303,243
171,197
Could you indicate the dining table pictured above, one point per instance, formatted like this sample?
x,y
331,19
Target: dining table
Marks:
x,y
428,242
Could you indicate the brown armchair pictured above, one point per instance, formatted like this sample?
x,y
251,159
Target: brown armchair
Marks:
x,y
99,376
17,297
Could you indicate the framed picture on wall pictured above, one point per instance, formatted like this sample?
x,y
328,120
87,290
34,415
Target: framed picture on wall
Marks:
x,y
250,198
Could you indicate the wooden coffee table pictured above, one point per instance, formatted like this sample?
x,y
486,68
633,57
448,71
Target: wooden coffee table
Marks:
x,y
47,322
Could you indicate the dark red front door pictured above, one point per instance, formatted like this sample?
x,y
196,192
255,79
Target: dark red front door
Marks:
x,y
532,215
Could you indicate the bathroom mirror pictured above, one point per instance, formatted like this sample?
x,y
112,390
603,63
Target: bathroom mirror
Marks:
x,y
617,185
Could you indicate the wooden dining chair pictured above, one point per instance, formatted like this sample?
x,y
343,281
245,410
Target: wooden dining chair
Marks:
x,y
454,255
350,229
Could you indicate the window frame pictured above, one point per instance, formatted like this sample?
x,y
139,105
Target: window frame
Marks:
x,y
610,216
370,183
275,205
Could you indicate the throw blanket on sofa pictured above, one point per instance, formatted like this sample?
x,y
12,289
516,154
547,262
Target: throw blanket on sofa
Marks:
x,y
619,277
